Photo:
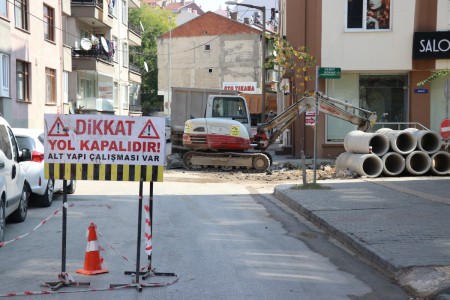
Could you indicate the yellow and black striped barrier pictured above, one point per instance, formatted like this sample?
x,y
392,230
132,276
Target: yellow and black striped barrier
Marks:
x,y
104,172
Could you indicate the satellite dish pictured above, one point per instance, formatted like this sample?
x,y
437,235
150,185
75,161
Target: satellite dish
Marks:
x,y
104,44
86,44
142,26
94,40
145,66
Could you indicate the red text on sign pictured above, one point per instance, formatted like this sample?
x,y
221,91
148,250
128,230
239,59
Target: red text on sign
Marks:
x,y
104,127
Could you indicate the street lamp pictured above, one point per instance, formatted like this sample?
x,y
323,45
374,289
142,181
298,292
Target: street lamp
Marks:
x,y
169,75
263,55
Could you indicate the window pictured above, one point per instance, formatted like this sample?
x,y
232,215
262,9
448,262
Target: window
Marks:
x,y
384,94
4,8
207,47
124,94
4,75
125,58
124,12
233,108
23,81
210,71
21,14
369,15
49,23
5,142
66,87
116,94
15,150
113,45
50,82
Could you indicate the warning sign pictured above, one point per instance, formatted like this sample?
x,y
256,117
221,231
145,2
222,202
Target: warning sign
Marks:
x,y
149,131
58,129
104,139
310,118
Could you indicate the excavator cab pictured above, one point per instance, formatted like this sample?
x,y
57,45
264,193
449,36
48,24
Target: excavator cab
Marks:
x,y
229,107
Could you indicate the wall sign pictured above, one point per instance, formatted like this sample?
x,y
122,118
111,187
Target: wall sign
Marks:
x,y
431,45
245,87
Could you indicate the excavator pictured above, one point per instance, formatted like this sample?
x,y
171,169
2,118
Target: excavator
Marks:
x,y
224,138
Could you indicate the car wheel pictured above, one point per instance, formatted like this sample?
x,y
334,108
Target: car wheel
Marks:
x,y
20,214
2,220
71,187
47,199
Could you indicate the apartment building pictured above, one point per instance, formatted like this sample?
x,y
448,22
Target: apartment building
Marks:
x,y
68,56
210,52
384,49
31,68
102,80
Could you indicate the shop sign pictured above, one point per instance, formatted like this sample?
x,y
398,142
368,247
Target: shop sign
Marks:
x,y
244,87
431,45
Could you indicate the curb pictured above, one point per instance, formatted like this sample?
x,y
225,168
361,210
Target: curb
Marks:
x,y
358,248
413,280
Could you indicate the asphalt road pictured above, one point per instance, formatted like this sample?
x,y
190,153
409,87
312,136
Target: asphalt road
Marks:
x,y
222,240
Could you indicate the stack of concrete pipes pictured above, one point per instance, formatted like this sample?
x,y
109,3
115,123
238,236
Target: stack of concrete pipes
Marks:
x,y
394,153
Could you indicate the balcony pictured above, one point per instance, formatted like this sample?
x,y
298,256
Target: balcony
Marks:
x,y
134,3
135,110
135,74
95,13
95,106
66,8
95,59
134,35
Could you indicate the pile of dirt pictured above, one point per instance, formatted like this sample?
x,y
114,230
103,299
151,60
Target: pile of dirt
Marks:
x,y
286,172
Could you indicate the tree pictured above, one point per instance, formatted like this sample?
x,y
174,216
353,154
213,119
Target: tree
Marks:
x,y
155,22
434,76
295,62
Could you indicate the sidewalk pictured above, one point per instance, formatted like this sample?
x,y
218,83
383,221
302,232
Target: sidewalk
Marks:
x,y
401,225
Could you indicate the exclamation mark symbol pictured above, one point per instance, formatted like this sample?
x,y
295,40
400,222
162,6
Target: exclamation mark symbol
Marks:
x,y
148,128
158,147
57,124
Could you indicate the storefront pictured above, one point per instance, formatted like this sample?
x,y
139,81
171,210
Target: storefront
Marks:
x,y
385,94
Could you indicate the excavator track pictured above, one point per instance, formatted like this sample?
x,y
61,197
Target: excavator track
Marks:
x,y
250,162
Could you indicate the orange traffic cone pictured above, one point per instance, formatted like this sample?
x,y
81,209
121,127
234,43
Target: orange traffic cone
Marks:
x,y
92,260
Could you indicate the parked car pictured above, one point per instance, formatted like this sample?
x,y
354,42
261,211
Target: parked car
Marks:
x,y
14,187
42,190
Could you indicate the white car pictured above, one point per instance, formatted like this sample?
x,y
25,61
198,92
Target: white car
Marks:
x,y
14,188
42,190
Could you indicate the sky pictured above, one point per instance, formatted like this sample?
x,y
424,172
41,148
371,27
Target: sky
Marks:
x,y
210,5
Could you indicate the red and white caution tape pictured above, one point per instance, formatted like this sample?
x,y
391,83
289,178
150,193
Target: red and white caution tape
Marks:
x,y
35,228
148,230
117,252
65,275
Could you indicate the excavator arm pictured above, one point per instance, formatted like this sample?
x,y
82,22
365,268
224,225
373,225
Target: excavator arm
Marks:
x,y
268,132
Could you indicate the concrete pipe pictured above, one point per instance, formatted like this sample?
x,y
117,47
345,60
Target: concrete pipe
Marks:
x,y
427,140
401,141
365,142
368,165
393,163
418,163
440,163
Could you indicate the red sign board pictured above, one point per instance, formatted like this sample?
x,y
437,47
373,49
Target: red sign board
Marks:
x,y
445,129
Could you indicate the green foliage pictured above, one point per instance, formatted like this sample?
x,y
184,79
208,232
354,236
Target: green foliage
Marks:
x,y
155,22
434,76
294,60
